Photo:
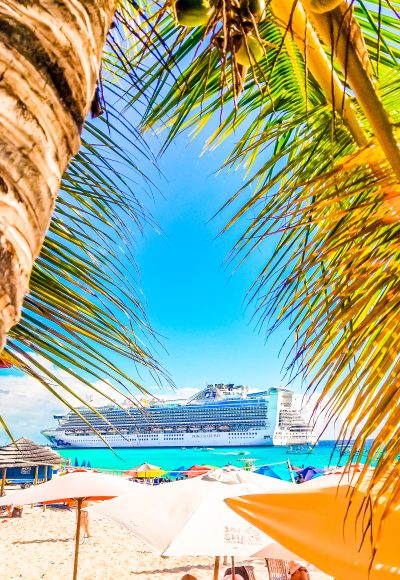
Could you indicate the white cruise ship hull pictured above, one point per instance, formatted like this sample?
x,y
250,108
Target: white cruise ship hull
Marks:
x,y
219,416
232,439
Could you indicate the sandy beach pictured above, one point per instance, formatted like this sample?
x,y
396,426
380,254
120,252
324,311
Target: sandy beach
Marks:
x,y
41,545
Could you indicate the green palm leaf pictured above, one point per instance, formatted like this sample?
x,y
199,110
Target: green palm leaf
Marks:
x,y
85,313
332,207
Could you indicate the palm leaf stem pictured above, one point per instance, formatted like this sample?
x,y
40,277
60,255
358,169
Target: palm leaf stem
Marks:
x,y
341,33
294,18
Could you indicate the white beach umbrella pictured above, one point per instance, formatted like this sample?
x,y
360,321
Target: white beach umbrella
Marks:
x,y
190,518
79,486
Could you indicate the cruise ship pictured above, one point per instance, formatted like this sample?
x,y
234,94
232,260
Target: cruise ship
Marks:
x,y
221,415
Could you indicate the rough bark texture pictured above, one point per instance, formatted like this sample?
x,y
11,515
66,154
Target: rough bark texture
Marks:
x,y
50,53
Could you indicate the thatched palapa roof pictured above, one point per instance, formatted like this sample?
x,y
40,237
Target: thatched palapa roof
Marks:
x,y
24,453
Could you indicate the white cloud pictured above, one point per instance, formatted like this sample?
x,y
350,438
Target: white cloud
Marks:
x,y
27,406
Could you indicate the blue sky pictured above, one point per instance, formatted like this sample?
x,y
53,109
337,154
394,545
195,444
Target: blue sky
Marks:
x,y
195,300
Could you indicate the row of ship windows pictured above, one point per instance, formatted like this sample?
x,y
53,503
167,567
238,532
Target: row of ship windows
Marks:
x,y
212,407
235,428
238,420
240,435
185,413
171,431
155,437
182,412
166,425
169,424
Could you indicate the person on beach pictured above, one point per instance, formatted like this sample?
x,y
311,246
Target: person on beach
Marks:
x,y
85,520
84,525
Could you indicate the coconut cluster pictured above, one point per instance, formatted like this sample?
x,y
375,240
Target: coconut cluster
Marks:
x,y
242,15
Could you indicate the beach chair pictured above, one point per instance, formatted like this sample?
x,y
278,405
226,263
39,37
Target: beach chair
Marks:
x,y
277,569
245,572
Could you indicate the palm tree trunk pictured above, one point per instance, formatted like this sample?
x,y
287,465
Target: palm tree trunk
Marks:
x,y
50,53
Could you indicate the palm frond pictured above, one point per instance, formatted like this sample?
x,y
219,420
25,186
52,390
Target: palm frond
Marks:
x,y
330,200
85,313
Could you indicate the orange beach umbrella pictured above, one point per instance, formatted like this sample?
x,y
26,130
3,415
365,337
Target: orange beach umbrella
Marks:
x,y
196,470
316,521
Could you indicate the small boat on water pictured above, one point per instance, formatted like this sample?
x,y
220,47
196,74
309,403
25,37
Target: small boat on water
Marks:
x,y
300,450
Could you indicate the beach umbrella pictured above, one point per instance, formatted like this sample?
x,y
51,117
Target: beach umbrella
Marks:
x,y
83,464
196,470
354,467
145,470
76,462
316,521
79,486
266,470
190,518
89,465
309,472
178,471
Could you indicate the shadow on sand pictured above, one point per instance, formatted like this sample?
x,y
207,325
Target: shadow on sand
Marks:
x,y
176,569
50,540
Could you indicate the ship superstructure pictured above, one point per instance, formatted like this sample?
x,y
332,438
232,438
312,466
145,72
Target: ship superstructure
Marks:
x,y
220,415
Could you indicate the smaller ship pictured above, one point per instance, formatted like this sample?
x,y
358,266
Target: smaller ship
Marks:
x,y
300,450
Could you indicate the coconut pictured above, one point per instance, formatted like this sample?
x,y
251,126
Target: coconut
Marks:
x,y
192,13
250,54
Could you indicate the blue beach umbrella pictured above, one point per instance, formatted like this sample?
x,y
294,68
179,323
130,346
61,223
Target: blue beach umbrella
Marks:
x,y
83,464
178,471
76,464
266,470
88,464
310,472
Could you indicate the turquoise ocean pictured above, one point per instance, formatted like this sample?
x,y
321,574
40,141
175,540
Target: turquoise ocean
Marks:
x,y
323,455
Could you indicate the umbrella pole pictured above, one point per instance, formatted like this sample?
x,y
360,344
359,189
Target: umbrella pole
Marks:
x,y
216,567
233,567
45,479
35,479
78,531
3,481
